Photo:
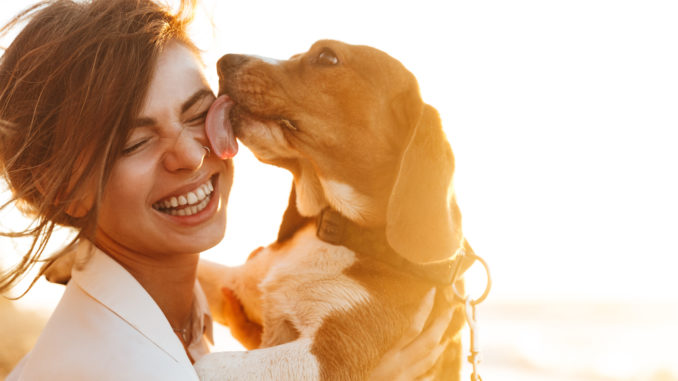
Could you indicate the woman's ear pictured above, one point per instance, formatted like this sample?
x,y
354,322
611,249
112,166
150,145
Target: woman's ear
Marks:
x,y
77,208
81,190
423,222
81,201
80,207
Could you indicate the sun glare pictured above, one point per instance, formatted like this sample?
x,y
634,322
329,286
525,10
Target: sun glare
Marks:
x,y
562,117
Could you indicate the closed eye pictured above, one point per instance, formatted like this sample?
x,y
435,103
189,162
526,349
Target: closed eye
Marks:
x,y
198,119
135,146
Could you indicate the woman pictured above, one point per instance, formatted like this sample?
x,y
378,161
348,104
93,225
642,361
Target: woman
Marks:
x,y
102,111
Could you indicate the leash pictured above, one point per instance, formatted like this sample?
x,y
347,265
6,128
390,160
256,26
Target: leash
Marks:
x,y
471,318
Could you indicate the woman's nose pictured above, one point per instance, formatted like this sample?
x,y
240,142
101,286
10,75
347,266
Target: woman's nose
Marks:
x,y
187,153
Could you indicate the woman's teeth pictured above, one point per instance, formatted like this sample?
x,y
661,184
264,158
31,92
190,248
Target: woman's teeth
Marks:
x,y
187,204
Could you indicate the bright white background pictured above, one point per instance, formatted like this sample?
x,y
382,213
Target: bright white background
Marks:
x,y
563,118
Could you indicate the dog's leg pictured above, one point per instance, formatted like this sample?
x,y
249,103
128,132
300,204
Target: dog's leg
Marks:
x,y
291,361
213,277
242,280
59,271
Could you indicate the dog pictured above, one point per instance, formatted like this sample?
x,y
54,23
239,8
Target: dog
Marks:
x,y
372,222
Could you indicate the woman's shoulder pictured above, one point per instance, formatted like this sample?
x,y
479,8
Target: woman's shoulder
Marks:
x,y
85,339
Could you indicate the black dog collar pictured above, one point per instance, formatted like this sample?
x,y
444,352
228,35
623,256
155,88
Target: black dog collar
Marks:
x,y
336,229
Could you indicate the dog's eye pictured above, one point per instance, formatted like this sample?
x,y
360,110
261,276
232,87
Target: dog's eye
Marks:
x,y
327,57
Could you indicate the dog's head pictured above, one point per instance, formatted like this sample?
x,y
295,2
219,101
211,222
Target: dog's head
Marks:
x,y
349,123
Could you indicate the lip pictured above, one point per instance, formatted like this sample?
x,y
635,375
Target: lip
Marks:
x,y
241,115
189,187
201,216
241,111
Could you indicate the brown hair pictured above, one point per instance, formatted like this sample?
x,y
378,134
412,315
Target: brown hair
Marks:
x,y
71,83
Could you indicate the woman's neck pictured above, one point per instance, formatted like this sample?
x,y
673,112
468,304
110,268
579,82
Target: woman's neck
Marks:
x,y
168,279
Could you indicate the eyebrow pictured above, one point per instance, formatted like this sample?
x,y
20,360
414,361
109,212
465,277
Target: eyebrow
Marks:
x,y
199,95
193,99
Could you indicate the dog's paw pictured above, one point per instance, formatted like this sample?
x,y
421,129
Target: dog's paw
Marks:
x,y
59,271
247,332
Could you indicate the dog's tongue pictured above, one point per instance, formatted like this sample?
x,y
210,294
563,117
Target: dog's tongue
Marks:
x,y
219,130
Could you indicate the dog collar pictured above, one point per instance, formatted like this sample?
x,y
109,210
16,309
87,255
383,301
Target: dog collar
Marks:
x,y
336,229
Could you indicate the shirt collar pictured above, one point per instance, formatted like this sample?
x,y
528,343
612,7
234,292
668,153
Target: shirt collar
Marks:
x,y
110,284
202,324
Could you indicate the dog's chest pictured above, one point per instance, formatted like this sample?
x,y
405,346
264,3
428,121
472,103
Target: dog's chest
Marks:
x,y
308,283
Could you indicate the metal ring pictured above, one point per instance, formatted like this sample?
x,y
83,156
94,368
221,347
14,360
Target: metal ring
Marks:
x,y
487,287
209,151
489,281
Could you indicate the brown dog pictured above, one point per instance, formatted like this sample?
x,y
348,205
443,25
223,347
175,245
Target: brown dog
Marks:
x,y
372,223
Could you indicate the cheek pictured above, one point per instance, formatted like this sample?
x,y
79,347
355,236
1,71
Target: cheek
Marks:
x,y
124,197
212,232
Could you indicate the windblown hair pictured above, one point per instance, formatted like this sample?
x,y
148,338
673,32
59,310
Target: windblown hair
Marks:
x,y
71,83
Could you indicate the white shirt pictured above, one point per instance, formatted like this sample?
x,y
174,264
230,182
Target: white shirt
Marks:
x,y
107,327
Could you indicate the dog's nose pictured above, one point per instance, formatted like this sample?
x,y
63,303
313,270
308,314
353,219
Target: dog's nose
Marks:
x,y
230,62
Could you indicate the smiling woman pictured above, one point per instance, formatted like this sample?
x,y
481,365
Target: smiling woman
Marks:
x,y
93,136
164,159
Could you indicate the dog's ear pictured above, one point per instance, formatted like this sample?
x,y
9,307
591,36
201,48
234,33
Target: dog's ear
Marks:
x,y
423,222
292,220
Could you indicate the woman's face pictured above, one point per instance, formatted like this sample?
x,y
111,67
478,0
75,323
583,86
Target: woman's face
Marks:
x,y
166,195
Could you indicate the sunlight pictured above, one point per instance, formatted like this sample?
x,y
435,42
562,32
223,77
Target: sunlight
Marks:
x,y
561,117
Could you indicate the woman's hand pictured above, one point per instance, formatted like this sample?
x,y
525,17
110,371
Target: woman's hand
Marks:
x,y
416,352
247,332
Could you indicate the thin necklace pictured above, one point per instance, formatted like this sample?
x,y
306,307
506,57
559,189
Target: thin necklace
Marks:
x,y
184,332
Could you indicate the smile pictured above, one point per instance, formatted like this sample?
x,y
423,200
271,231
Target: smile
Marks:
x,y
187,204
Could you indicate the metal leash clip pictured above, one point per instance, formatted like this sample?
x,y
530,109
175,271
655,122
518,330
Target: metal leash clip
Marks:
x,y
470,309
